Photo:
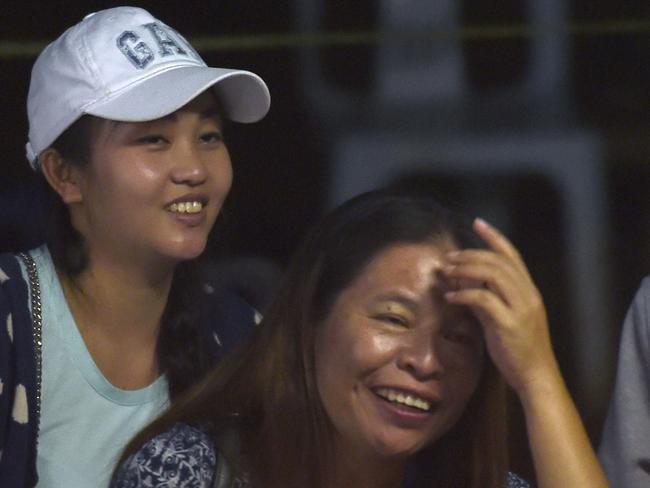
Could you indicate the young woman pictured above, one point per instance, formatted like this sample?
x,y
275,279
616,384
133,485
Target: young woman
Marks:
x,y
380,364
126,128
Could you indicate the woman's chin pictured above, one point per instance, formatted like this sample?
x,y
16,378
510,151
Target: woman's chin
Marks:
x,y
185,250
398,449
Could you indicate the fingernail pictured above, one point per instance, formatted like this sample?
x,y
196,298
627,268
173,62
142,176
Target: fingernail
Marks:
x,y
453,254
481,222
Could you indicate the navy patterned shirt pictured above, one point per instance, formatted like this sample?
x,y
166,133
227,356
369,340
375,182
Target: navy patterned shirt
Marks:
x,y
185,457
181,457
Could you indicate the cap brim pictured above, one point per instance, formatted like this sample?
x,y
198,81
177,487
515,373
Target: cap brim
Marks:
x,y
243,95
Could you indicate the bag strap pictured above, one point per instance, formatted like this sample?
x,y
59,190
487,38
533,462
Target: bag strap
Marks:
x,y
228,448
222,477
37,321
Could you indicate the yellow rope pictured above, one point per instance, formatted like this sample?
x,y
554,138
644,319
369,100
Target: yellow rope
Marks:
x,y
262,42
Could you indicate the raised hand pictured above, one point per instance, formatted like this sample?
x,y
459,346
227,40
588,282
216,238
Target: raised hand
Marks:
x,y
496,285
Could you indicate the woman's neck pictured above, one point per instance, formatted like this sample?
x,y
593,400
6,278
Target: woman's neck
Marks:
x,y
359,471
117,310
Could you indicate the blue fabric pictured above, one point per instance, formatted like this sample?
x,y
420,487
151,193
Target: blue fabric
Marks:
x,y
18,378
181,457
73,447
229,319
185,456
514,481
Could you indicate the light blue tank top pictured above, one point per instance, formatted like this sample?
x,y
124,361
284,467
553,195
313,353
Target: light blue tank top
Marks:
x,y
85,421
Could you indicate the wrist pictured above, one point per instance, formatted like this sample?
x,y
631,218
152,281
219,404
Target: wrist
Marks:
x,y
544,384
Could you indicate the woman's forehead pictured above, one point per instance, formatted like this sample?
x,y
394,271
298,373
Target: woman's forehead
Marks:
x,y
409,266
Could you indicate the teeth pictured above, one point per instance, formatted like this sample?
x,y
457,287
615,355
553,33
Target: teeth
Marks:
x,y
409,400
186,207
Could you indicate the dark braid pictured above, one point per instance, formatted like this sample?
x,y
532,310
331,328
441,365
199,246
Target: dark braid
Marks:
x,y
180,350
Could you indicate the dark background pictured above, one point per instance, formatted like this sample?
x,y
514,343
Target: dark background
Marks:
x,y
282,164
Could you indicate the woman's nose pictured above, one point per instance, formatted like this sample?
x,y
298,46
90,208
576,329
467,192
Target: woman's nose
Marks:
x,y
188,167
420,357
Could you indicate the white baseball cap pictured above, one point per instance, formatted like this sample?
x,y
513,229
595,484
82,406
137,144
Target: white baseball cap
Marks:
x,y
123,64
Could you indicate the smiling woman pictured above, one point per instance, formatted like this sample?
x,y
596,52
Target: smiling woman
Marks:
x,y
169,176
381,352
380,364
126,133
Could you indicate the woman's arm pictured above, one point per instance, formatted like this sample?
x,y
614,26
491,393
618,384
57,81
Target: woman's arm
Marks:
x,y
496,285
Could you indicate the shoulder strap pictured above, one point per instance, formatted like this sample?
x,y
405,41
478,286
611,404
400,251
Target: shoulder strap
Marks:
x,y
37,320
222,476
227,444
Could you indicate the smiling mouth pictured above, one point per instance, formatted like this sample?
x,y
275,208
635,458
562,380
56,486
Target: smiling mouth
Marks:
x,y
401,398
186,207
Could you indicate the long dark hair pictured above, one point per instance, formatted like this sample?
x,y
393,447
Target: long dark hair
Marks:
x,y
180,351
267,389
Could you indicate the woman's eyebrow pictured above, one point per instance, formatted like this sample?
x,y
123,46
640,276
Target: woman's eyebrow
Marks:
x,y
397,297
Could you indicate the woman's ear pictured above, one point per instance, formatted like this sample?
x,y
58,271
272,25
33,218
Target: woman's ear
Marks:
x,y
62,176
